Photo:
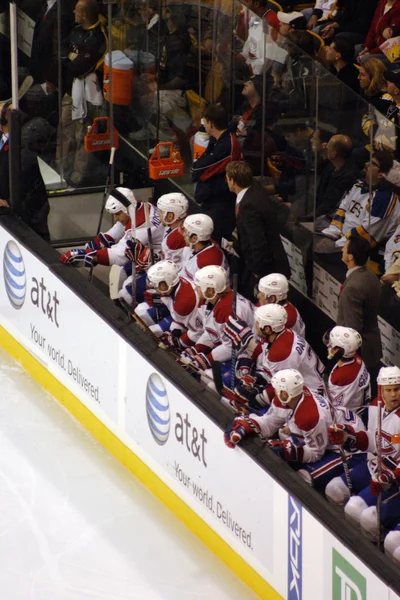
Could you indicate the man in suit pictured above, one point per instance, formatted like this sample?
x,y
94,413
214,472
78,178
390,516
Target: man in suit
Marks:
x,y
359,302
259,244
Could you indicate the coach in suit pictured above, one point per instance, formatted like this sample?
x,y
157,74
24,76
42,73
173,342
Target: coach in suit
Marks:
x,y
359,302
258,241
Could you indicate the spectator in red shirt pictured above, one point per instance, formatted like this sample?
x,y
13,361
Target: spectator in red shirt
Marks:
x,y
385,25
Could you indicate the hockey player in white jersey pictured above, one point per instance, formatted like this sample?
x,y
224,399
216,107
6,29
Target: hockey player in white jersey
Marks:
x,y
201,251
172,306
349,381
213,287
279,348
173,209
273,289
109,248
366,481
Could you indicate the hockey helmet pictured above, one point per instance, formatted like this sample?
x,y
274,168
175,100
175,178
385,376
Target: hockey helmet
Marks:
x,y
163,271
274,284
271,315
200,225
346,338
175,203
114,204
214,277
389,376
290,381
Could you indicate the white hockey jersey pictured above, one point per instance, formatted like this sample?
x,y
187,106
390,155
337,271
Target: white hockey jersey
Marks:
x,y
349,384
355,216
213,342
184,306
390,426
193,261
308,421
289,351
173,245
392,248
294,320
121,234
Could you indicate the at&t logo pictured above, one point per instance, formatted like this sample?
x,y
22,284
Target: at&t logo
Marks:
x,y
157,409
14,275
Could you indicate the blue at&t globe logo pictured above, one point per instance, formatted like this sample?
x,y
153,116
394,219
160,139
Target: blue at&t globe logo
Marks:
x,y
157,409
14,275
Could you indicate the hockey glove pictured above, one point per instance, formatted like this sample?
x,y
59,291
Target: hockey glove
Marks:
x,y
244,366
138,253
171,339
103,240
79,257
238,430
293,450
239,333
384,481
343,435
152,297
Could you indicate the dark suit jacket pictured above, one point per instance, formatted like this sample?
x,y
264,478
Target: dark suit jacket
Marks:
x,y
43,62
260,246
358,308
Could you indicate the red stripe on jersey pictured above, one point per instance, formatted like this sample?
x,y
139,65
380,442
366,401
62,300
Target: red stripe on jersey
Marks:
x,y
140,215
175,239
102,257
185,298
306,415
347,373
220,166
291,315
326,468
281,347
223,308
211,255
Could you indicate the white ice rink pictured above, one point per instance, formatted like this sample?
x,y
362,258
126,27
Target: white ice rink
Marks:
x,y
75,525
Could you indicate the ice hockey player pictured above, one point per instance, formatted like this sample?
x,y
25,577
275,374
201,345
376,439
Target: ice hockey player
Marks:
x,y
109,248
201,250
370,479
172,306
173,209
349,381
213,288
279,348
273,289
306,415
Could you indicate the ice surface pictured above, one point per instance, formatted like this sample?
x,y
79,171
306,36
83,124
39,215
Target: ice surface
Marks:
x,y
75,525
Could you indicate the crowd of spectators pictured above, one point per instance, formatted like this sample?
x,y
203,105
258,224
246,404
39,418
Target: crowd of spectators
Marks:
x,y
299,108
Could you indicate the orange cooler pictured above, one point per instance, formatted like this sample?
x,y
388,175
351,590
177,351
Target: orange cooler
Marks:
x,y
122,78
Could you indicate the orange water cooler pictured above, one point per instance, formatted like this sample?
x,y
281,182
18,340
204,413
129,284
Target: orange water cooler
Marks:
x,y
122,78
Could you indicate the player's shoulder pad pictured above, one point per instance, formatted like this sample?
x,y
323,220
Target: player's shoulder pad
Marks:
x,y
291,314
140,215
306,414
347,373
223,308
211,255
281,347
175,239
185,298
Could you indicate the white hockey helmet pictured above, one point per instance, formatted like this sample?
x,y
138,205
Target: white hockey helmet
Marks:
x,y
200,225
274,284
163,271
272,315
214,277
114,204
175,203
290,381
389,376
346,338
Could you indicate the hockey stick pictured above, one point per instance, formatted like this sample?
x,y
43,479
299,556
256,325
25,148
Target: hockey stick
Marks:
x,y
234,314
23,88
379,455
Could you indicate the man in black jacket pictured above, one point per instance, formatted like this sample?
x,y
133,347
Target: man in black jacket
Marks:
x,y
352,20
259,244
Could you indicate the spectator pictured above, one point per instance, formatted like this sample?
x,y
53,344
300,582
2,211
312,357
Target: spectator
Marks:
x,y
392,78
385,25
259,244
212,191
352,20
337,174
359,302
339,55
373,84
33,206
359,215
81,57
43,64
156,29
321,11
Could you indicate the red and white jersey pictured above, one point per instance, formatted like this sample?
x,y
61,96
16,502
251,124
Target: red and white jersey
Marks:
x,y
193,261
289,351
390,426
308,421
121,234
213,341
294,320
184,307
173,245
349,384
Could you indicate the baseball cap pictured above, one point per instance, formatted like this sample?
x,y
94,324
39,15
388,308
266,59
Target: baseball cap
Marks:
x,y
296,19
393,76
